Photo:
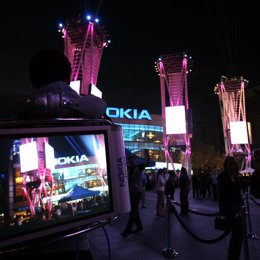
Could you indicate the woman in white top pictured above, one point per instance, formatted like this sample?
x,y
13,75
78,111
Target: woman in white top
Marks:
x,y
160,188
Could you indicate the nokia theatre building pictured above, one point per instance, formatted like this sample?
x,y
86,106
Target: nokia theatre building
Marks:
x,y
141,130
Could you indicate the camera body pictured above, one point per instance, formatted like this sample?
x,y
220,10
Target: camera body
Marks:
x,y
59,177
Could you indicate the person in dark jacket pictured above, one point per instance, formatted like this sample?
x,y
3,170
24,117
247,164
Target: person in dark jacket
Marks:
x,y
230,202
135,180
255,177
170,185
184,183
50,72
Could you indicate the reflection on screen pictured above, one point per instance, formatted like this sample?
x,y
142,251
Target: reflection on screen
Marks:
x,y
51,180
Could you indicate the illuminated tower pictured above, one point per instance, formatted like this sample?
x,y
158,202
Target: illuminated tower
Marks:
x,y
176,116
84,41
37,173
231,93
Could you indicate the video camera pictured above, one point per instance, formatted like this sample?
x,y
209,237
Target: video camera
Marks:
x,y
59,177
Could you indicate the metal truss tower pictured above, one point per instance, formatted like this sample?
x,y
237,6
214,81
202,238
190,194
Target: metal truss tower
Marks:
x,y
173,70
84,41
231,94
38,182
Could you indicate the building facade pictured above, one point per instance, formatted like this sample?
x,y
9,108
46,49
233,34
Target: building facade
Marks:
x,y
141,130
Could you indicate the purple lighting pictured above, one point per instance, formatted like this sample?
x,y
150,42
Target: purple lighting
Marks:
x,y
84,41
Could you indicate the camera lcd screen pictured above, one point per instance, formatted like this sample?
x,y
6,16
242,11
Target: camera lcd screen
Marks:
x,y
52,180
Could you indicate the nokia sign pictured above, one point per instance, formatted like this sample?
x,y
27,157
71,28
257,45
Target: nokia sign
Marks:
x,y
71,159
128,113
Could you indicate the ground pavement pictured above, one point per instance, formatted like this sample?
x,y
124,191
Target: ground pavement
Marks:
x,y
107,243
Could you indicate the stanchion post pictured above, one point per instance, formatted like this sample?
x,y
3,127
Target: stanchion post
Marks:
x,y
250,234
168,251
246,248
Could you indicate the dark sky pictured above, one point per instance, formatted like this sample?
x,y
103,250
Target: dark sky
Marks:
x,y
221,36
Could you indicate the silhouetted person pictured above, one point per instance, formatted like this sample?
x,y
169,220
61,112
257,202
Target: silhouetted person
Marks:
x,y
170,185
230,203
144,178
195,184
214,185
135,180
184,183
50,72
255,178
160,191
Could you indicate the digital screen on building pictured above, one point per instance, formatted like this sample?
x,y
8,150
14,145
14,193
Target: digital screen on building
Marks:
x,y
75,85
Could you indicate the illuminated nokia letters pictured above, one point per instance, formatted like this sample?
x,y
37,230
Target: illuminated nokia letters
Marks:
x,y
129,113
71,159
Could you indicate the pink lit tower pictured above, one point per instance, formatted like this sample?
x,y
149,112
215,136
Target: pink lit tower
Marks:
x,y
176,114
84,41
237,133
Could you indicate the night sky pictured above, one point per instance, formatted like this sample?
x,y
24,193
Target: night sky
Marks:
x,y
221,36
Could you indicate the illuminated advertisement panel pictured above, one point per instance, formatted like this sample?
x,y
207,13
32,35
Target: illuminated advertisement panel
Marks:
x,y
95,91
238,132
175,120
28,157
75,85
49,157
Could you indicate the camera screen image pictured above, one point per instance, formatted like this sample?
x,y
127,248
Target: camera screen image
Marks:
x,y
55,181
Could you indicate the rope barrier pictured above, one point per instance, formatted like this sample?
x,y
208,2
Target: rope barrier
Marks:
x,y
257,203
198,213
207,241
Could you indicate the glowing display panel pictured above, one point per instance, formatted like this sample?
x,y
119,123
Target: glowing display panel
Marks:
x,y
49,157
28,157
75,85
95,91
175,120
238,132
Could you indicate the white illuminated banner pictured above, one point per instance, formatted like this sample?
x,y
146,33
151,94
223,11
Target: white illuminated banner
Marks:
x,y
175,120
49,157
75,85
95,91
238,132
159,165
28,157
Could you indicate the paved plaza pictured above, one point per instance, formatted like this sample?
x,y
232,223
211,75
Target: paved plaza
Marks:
x,y
107,243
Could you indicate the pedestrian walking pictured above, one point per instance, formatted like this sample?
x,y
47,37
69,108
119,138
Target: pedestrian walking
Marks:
x,y
135,180
184,183
160,190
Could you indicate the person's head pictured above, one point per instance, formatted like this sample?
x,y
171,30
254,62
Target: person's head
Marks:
x,y
47,66
183,170
159,172
132,160
164,171
230,165
172,173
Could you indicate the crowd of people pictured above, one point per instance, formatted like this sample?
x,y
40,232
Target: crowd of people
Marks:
x,y
226,187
